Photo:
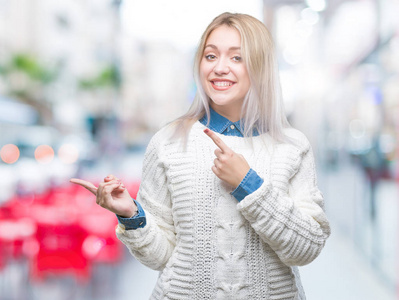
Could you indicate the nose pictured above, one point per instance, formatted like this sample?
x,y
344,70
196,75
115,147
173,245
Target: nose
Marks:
x,y
221,67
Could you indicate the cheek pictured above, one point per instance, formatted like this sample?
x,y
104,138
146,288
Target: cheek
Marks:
x,y
204,69
203,74
201,71
245,79
203,80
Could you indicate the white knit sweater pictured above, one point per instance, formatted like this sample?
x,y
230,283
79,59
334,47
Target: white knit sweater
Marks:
x,y
208,245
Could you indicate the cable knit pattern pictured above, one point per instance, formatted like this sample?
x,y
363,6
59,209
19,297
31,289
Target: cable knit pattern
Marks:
x,y
208,246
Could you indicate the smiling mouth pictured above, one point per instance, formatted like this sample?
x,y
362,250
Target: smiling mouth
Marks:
x,y
222,85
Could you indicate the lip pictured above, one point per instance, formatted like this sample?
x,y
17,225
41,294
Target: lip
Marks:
x,y
223,87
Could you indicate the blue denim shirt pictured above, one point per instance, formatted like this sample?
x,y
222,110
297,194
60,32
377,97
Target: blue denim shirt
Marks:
x,y
251,182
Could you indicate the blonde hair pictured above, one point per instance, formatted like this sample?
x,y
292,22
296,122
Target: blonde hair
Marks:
x,y
263,108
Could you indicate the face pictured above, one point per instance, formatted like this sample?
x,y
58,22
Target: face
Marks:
x,y
223,73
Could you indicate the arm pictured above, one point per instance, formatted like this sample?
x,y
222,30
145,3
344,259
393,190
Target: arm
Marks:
x,y
153,244
294,225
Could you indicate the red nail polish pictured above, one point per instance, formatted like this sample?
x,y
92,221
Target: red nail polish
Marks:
x,y
206,130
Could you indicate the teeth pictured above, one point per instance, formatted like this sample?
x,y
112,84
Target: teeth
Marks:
x,y
222,83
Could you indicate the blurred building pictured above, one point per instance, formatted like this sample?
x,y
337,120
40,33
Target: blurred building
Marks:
x,y
156,88
76,38
339,70
48,49
103,73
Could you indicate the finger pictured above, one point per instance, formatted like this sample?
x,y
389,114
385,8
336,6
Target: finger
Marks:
x,y
104,196
109,188
218,152
215,170
105,190
110,177
217,140
121,187
86,184
217,163
104,184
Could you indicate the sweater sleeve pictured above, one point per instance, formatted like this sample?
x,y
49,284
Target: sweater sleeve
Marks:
x,y
294,224
153,244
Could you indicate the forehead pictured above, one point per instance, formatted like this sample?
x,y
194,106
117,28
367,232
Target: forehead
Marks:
x,y
224,37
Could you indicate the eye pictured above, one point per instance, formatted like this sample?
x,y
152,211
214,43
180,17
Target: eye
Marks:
x,y
237,58
210,57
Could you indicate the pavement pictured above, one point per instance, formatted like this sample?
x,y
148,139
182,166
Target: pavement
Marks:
x,y
341,272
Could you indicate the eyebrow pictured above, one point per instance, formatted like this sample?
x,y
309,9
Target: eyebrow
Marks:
x,y
214,47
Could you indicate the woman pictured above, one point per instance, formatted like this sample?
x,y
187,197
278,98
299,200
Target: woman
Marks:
x,y
228,205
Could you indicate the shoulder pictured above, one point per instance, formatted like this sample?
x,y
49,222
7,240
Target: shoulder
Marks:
x,y
165,141
295,134
160,136
297,138
156,144
172,133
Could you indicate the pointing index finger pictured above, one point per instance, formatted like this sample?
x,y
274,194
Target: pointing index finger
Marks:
x,y
86,184
217,140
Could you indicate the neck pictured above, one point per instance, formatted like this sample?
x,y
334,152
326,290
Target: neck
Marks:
x,y
230,113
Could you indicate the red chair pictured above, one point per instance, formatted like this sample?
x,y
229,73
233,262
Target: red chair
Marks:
x,y
14,233
60,242
60,231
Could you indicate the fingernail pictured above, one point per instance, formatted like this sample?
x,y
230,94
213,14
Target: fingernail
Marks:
x,y
206,130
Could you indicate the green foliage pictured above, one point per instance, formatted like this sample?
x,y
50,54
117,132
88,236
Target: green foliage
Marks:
x,y
108,77
29,65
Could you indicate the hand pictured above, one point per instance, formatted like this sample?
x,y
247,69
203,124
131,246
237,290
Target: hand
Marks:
x,y
112,195
229,166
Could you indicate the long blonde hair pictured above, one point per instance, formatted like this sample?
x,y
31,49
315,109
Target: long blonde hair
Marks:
x,y
263,108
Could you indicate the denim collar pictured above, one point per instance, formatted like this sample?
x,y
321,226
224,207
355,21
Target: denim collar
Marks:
x,y
220,124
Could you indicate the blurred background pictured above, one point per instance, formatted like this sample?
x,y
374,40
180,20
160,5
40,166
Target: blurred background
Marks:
x,y
85,84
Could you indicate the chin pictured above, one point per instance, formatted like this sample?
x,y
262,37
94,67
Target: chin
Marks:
x,y
224,102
